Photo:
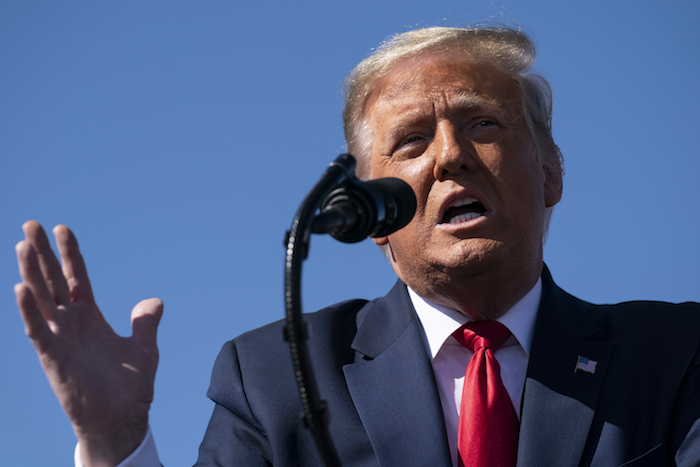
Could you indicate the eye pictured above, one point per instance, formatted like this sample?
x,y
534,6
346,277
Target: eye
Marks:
x,y
409,140
411,146
483,130
485,124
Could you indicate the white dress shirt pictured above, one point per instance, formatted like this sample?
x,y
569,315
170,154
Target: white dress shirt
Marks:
x,y
144,456
449,358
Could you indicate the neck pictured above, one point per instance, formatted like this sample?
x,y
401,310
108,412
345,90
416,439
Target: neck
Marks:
x,y
485,296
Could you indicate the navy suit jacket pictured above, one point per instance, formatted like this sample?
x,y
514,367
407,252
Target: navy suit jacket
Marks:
x,y
641,406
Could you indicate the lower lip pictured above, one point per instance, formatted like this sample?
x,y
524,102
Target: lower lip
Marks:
x,y
463,225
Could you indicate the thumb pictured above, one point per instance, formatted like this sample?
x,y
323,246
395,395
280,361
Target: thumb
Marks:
x,y
145,318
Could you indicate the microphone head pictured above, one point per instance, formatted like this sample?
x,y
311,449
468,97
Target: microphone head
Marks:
x,y
355,210
399,202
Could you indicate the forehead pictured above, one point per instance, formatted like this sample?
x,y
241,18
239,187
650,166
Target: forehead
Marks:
x,y
452,78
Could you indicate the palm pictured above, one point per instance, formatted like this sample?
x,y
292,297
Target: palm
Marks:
x,y
94,371
103,381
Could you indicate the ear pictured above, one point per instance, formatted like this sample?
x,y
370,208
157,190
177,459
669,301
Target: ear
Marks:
x,y
380,240
553,186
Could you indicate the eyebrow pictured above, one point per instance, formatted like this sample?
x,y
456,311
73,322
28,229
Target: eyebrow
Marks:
x,y
401,121
472,101
462,100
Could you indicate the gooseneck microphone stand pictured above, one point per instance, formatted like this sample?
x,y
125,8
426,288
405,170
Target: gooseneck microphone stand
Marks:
x,y
351,210
297,244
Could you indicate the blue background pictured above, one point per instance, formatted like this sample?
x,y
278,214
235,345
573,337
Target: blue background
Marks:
x,y
177,139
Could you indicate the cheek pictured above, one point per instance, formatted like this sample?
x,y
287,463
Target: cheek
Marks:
x,y
519,170
420,168
416,172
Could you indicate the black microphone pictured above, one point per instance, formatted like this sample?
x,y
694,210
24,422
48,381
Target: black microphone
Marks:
x,y
356,210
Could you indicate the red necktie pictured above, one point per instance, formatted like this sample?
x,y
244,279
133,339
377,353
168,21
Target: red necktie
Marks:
x,y
488,425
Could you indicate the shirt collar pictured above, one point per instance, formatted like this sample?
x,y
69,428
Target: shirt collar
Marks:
x,y
439,322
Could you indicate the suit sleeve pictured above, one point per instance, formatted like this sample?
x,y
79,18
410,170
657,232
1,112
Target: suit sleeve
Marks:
x,y
233,437
685,440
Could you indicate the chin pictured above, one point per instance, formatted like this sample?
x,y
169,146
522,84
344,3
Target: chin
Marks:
x,y
478,256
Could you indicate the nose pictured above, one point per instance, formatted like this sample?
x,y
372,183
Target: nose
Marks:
x,y
454,152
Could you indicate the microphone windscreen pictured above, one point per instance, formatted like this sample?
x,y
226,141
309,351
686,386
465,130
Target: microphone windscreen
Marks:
x,y
400,203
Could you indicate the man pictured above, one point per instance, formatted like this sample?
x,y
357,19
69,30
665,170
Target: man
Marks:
x,y
457,114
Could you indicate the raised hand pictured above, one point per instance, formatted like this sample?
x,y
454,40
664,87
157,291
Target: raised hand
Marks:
x,y
103,381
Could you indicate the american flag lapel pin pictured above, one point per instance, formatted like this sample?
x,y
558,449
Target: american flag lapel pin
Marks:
x,y
585,364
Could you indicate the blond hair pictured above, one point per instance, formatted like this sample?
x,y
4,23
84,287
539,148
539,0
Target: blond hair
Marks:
x,y
510,50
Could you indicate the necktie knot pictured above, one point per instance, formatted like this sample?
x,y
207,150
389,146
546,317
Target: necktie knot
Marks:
x,y
477,335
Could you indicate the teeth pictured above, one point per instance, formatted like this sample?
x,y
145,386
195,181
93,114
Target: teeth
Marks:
x,y
464,217
463,202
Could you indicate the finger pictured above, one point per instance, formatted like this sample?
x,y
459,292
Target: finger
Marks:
x,y
35,325
50,267
145,318
33,278
74,268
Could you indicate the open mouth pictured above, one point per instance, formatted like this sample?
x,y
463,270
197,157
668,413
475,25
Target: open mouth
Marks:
x,y
463,210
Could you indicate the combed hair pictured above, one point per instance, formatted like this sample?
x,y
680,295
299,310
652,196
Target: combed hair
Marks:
x,y
510,50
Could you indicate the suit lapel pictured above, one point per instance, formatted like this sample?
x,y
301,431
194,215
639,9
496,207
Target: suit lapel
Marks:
x,y
393,388
392,385
559,401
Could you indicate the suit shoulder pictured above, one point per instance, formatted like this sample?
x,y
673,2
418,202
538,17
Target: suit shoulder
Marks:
x,y
640,311
650,309
330,327
653,319
263,353
329,319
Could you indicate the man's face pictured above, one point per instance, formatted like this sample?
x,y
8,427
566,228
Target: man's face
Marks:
x,y
456,132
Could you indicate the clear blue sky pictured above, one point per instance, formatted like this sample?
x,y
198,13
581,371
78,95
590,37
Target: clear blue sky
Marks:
x,y
177,139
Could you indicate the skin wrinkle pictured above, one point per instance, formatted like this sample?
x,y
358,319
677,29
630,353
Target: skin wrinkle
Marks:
x,y
466,136
467,101
462,98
